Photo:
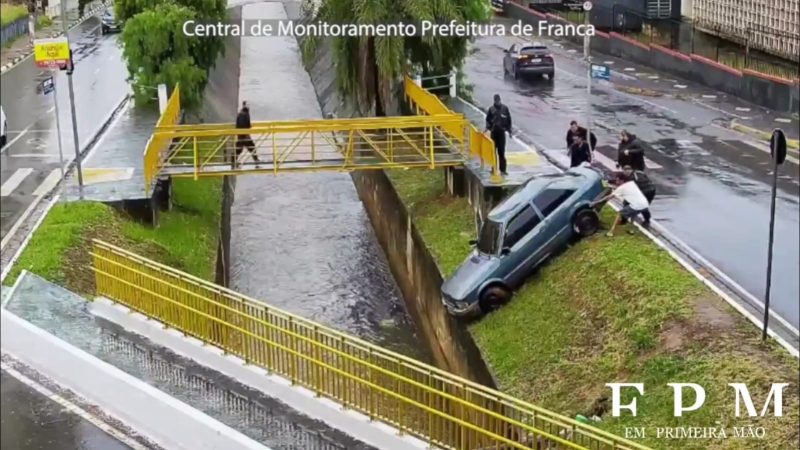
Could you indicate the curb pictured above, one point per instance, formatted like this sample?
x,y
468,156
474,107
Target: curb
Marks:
x,y
790,143
17,59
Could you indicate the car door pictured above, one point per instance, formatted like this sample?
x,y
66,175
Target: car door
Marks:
x,y
553,204
520,230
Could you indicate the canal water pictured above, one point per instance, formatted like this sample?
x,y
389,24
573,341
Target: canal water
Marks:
x,y
303,242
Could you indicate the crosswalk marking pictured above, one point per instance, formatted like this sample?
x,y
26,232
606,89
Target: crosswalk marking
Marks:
x,y
49,183
14,181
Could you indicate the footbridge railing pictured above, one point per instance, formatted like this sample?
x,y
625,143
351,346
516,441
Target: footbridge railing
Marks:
x,y
442,409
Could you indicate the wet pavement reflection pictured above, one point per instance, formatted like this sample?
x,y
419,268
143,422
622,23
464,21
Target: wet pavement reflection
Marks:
x,y
714,184
31,421
303,242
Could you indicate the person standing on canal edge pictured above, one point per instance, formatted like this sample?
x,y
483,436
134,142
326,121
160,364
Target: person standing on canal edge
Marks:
x,y
577,130
498,122
629,152
244,140
579,152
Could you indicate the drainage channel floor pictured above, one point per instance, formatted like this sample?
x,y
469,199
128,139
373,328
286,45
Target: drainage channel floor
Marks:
x,y
252,413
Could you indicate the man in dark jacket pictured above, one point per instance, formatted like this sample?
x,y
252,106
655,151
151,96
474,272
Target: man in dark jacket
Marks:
x,y
579,152
645,185
498,122
244,140
577,130
629,153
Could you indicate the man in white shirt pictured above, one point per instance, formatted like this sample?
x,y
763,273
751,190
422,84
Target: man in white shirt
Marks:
x,y
633,203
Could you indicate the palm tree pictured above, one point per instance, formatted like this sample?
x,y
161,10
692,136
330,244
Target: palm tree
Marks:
x,y
367,66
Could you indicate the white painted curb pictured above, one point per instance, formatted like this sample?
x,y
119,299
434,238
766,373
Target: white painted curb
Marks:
x,y
300,399
161,418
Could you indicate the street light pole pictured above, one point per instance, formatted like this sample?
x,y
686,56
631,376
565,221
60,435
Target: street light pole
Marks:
x,y
587,7
58,127
70,68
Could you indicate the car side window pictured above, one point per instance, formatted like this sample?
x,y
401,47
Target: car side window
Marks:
x,y
550,199
525,221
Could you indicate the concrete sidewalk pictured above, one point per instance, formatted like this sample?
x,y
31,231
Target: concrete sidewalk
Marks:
x,y
21,47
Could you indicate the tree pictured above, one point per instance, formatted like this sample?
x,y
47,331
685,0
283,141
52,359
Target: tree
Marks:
x,y
368,65
157,51
208,49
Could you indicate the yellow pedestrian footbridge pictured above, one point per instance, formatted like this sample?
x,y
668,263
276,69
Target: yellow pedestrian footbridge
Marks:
x,y
435,137
439,408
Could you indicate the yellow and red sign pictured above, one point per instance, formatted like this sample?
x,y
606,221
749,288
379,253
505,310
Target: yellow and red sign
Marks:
x,y
52,52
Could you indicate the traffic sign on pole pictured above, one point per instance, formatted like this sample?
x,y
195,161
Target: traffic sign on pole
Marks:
x,y
48,86
52,52
777,146
587,6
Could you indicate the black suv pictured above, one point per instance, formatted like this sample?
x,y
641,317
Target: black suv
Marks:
x,y
109,22
529,59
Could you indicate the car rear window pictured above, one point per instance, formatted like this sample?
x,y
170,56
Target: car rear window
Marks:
x,y
533,50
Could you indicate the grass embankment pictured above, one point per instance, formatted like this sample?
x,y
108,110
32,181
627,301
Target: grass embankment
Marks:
x,y
10,13
186,237
614,310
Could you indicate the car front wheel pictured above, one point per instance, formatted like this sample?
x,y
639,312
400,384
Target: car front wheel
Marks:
x,y
494,297
586,222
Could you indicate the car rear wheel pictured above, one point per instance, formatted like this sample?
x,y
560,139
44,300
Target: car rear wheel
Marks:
x,y
494,297
586,222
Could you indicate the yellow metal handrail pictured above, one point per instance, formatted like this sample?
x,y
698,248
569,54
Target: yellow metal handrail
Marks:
x,y
157,145
481,145
440,408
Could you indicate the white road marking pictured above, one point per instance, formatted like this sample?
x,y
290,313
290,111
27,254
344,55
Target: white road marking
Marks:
x,y
739,108
782,120
680,86
33,155
653,77
608,62
630,69
14,181
709,96
74,409
49,183
727,113
11,142
572,50
52,108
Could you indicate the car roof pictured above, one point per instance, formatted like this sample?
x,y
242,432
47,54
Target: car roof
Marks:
x,y
575,178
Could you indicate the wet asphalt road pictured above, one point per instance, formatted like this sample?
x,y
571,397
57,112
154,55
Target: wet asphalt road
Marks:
x,y
303,242
30,162
713,183
31,421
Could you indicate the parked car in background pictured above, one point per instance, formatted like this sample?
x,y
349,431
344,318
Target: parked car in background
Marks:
x,y
537,220
498,5
109,22
3,128
532,59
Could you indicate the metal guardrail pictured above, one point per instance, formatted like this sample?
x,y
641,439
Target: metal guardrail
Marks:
x,y
158,145
481,145
442,409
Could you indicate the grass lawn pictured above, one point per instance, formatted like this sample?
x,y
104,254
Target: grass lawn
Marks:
x,y
10,13
614,310
185,239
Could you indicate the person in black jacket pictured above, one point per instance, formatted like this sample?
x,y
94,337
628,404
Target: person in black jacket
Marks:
x,y
244,141
645,185
498,122
579,152
577,130
629,153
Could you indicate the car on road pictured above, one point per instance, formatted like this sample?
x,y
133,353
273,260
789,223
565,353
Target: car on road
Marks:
x,y
3,128
530,59
498,5
109,22
540,218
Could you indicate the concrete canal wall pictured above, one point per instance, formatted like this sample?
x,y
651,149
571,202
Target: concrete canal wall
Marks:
x,y
410,261
220,106
761,89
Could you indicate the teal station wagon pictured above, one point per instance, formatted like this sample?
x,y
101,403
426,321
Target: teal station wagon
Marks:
x,y
538,219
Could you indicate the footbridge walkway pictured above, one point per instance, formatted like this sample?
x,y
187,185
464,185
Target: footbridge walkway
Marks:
x,y
438,408
435,137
